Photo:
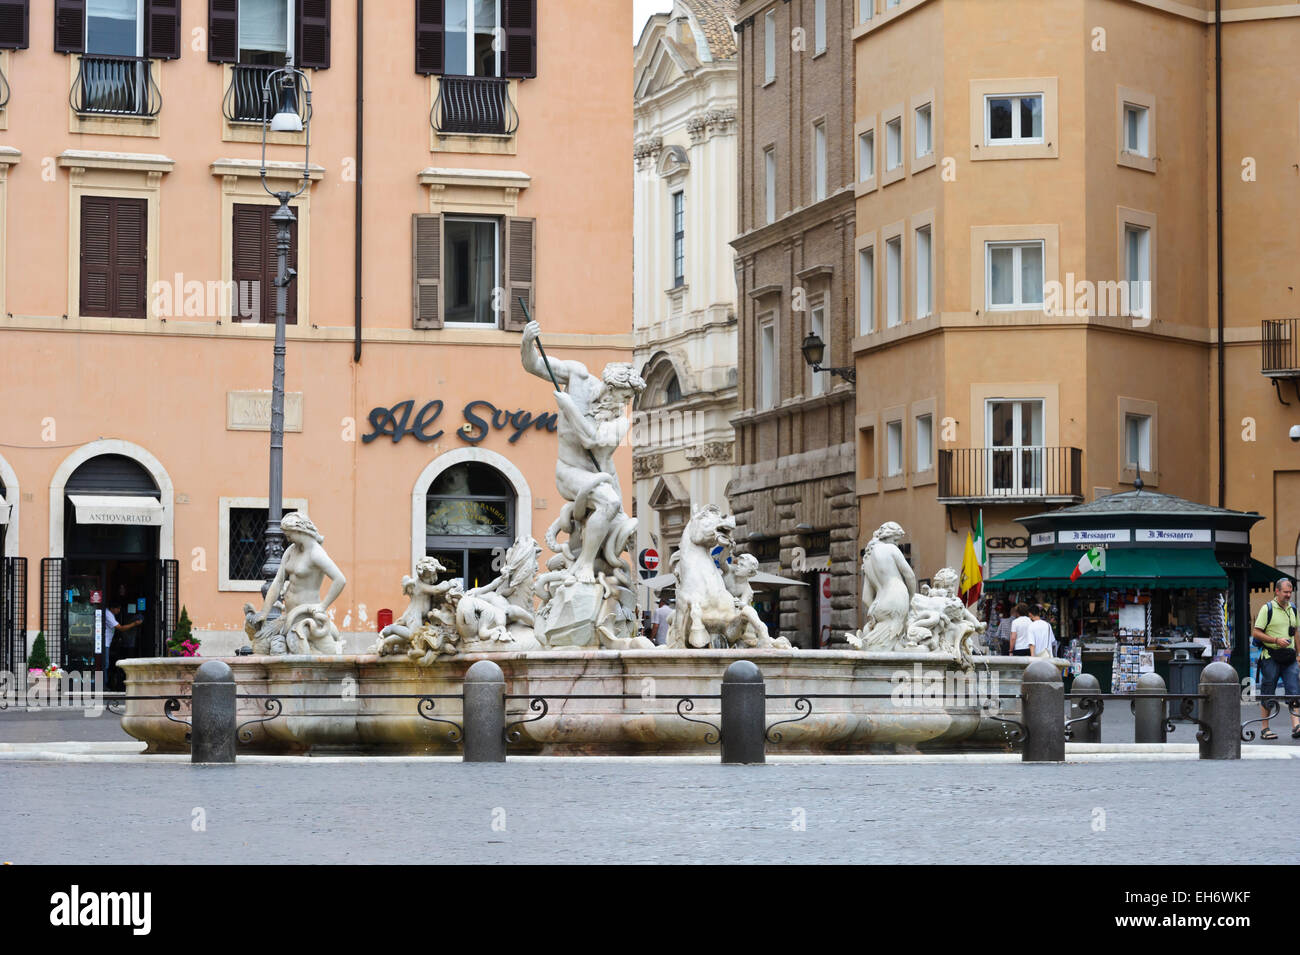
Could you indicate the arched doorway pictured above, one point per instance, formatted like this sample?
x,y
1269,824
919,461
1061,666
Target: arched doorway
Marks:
x,y
470,519
112,520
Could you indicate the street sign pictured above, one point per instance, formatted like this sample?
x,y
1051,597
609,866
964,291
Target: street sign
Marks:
x,y
649,559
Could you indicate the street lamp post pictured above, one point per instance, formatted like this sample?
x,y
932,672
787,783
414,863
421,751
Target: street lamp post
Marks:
x,y
286,82
814,350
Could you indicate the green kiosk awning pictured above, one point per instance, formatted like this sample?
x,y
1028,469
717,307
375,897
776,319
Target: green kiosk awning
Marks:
x,y
1262,576
1142,567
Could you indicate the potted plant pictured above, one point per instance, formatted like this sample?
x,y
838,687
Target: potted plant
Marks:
x,y
42,675
183,643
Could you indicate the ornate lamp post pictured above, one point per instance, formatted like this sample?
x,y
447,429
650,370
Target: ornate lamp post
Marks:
x,y
287,82
814,350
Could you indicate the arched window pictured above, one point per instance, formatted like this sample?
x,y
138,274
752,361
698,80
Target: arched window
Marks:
x,y
469,520
672,390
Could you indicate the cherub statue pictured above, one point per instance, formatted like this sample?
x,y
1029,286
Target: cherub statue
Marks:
x,y
425,593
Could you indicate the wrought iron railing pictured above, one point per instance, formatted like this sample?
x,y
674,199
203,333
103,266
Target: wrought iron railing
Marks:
x,y
474,104
116,86
1280,352
243,100
4,90
1025,473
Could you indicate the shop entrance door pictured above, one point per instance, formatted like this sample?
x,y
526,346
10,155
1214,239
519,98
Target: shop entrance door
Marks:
x,y
470,522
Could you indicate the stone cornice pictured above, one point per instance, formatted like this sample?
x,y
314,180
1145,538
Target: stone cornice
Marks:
x,y
797,222
275,169
133,162
486,178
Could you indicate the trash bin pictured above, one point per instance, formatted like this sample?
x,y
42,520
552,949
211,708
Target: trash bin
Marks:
x,y
1185,666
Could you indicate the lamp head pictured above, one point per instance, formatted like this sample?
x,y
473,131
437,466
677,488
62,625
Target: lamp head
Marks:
x,y
814,349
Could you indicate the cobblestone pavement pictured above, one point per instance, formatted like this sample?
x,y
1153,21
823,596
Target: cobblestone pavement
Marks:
x,y
575,811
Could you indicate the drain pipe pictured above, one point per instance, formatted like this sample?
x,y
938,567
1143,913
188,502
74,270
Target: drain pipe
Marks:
x,y
1218,238
356,240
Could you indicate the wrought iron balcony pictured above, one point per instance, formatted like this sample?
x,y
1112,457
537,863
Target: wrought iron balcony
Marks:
x,y
4,90
243,100
1281,347
1010,475
115,86
477,105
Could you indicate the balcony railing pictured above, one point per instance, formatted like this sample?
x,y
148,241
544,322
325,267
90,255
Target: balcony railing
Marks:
x,y
4,90
1011,474
243,101
477,105
1281,347
115,86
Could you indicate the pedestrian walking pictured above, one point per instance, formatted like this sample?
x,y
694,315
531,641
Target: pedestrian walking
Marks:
x,y
1275,631
1020,645
663,613
1041,638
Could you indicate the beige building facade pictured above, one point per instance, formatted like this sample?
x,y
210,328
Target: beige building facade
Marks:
x,y
1037,269
137,326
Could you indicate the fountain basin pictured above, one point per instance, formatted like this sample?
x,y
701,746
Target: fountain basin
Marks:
x,y
932,706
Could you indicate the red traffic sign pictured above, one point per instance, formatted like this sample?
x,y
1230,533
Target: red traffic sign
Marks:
x,y
649,559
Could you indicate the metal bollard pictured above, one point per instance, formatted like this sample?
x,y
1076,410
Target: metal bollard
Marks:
x,y
212,720
483,713
1089,731
744,714
1149,715
1043,698
1221,711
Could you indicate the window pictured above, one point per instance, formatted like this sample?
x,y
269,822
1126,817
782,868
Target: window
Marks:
x,y
673,390
769,46
866,453
893,281
470,26
893,144
819,26
113,257
1135,129
924,294
767,365
866,9
866,155
247,542
890,4
265,33
866,291
1137,442
769,183
255,266
818,319
893,448
460,38
1014,275
1137,259
924,131
679,239
1013,120
1014,438
114,28
924,442
460,260
819,161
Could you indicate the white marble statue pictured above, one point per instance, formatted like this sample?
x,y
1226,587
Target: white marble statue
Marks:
x,y
888,585
939,622
304,624
587,592
425,592
714,609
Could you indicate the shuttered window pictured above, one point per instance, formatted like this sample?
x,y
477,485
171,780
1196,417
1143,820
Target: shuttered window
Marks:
x,y
14,18
519,32
162,26
311,40
254,267
113,251
434,271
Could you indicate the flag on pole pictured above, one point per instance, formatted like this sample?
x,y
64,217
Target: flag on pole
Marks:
x,y
971,576
1091,560
981,547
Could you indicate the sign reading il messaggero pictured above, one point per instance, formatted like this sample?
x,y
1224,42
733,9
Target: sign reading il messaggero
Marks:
x,y
481,417
1092,537
1173,535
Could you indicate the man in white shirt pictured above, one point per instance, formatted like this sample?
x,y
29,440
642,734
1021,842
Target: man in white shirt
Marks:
x,y
662,615
1040,633
1020,646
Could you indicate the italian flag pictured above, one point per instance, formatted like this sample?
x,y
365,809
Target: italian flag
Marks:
x,y
1094,559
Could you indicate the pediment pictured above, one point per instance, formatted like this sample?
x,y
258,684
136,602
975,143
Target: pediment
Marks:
x,y
674,161
669,494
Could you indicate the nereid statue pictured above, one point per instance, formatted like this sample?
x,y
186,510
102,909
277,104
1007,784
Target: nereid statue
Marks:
x,y
888,585
303,624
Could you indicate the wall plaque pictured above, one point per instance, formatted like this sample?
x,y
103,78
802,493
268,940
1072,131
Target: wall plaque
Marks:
x,y
251,411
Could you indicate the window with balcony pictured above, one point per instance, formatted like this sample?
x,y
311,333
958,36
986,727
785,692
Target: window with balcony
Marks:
x,y
265,44
116,40
1016,456
1014,275
459,262
679,239
1013,120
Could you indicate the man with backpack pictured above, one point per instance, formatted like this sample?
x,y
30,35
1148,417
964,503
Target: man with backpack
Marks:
x,y
1275,632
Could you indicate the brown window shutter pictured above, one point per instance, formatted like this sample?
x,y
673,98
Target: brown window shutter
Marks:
x,y
96,226
429,36
249,236
313,48
70,26
519,17
426,270
14,28
223,31
162,23
520,268
129,251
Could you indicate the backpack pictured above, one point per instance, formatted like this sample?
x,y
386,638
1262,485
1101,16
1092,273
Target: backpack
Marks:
x,y
1283,656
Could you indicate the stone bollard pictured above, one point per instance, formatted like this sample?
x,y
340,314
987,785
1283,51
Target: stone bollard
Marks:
x,y
1149,715
212,717
1043,697
1221,711
1089,731
483,713
744,714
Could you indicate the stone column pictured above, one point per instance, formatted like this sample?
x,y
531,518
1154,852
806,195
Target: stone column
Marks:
x,y
1221,712
484,713
1043,697
212,727
744,714
1149,714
